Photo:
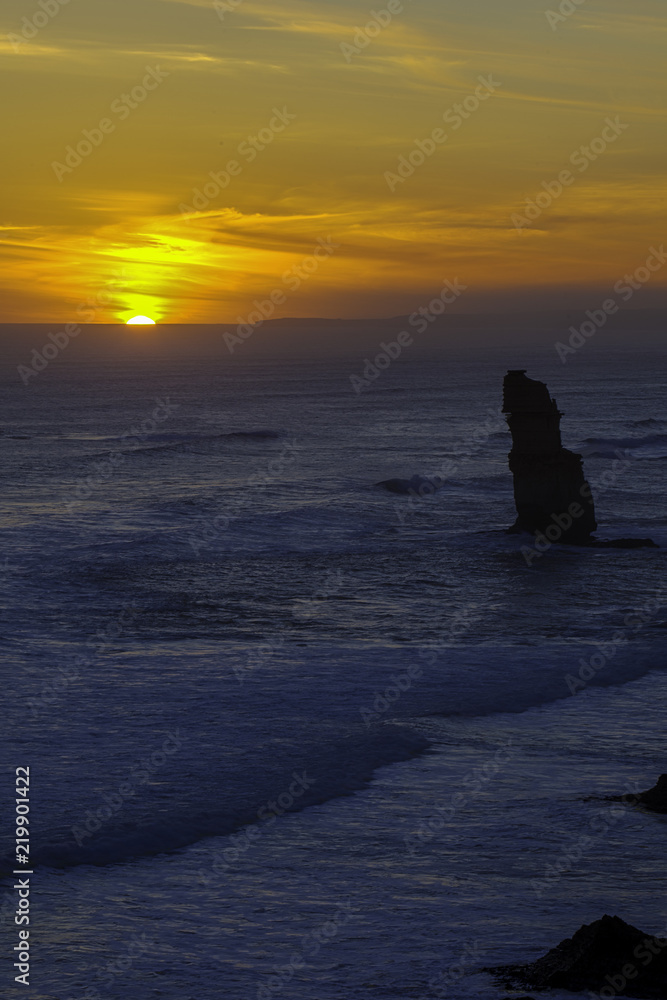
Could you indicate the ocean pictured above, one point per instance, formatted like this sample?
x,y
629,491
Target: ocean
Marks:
x,y
291,734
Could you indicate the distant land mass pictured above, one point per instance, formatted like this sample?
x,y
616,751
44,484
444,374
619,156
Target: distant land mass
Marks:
x,y
295,336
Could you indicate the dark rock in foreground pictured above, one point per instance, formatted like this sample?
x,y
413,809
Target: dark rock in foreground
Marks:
x,y
655,798
550,491
607,955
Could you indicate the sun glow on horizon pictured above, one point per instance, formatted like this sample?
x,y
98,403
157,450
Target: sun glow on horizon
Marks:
x,y
252,198
140,321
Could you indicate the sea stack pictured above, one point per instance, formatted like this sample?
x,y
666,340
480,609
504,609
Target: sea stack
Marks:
x,y
550,492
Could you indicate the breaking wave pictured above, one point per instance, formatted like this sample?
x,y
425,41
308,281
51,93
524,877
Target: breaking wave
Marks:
x,y
651,446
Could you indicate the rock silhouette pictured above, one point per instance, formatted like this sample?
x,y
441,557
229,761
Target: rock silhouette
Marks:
x,y
553,500
607,955
550,491
655,798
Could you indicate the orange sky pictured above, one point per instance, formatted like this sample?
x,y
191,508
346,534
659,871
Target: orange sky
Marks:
x,y
171,91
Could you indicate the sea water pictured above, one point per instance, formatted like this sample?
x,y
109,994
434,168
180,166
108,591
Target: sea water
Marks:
x,y
293,735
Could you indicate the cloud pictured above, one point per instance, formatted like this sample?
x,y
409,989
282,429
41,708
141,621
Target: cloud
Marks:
x,y
20,49
622,22
326,172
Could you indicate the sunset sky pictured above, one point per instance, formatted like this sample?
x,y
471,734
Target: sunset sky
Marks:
x,y
115,230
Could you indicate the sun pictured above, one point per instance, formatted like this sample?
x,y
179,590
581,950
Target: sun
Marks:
x,y
140,321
